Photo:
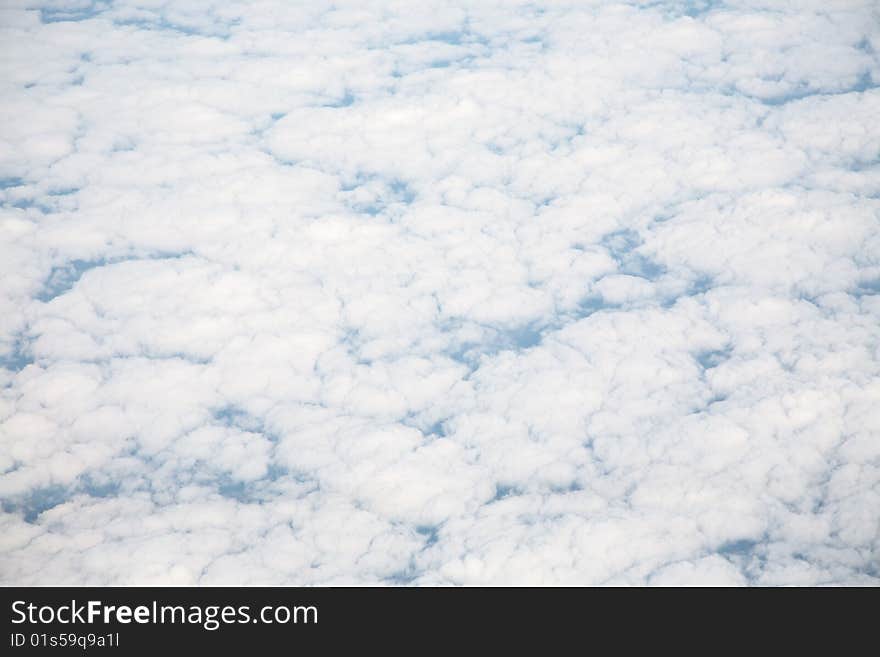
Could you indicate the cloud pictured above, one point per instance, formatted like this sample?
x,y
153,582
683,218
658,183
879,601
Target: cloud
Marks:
x,y
493,293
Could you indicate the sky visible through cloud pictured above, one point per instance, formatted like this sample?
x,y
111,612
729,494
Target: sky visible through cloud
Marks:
x,y
440,293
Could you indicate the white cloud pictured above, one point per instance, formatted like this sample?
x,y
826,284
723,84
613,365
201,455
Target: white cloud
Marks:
x,y
471,293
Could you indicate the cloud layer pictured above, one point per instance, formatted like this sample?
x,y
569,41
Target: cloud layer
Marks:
x,y
463,293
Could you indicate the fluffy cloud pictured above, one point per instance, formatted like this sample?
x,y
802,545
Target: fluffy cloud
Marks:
x,y
468,293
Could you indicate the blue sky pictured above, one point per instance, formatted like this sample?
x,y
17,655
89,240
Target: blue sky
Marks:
x,y
463,293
